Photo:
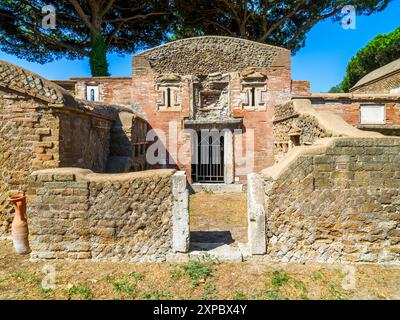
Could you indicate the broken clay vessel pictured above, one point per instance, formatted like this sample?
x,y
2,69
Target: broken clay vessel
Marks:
x,y
19,227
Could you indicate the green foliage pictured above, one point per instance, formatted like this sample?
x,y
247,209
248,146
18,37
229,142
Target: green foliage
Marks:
x,y
98,58
280,23
336,89
125,26
279,278
121,285
126,286
210,292
175,273
154,294
274,295
199,270
239,295
382,50
80,290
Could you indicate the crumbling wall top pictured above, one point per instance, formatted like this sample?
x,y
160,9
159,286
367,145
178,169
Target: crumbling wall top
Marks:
x,y
209,54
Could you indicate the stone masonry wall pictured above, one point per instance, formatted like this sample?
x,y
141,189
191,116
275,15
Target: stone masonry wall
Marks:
x,y
35,136
341,205
28,141
292,129
76,214
207,55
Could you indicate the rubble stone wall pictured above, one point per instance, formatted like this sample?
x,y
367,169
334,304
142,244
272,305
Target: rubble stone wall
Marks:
x,y
207,55
291,129
77,214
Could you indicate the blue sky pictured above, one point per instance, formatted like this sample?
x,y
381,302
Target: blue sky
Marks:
x,y
323,60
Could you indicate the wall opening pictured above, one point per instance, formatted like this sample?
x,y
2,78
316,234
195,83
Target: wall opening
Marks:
x,y
208,166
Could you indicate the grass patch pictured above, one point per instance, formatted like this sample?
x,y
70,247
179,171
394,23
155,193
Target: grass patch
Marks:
x,y
154,294
121,285
210,292
274,295
199,270
279,278
175,273
80,290
335,293
239,295
126,285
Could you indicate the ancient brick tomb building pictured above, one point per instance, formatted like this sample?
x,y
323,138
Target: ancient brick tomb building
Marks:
x,y
202,84
219,109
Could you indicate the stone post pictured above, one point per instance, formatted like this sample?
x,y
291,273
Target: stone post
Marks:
x,y
180,218
256,215
228,156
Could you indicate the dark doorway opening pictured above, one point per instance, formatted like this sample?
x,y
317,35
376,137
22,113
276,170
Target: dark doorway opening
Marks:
x,y
208,162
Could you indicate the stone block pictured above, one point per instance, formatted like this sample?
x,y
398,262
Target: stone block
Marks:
x,y
256,215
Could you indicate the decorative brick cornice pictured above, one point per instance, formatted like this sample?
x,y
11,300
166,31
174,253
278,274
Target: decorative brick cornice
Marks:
x,y
26,82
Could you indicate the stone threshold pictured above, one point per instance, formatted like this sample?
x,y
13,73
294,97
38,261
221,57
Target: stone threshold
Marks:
x,y
217,187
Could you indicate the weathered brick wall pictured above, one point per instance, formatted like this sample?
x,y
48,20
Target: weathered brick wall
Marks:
x,y
43,126
347,106
167,125
342,205
37,136
128,140
115,90
29,141
301,88
75,214
84,140
383,85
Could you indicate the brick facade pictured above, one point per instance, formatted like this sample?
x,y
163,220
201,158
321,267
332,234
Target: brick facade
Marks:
x,y
185,60
43,126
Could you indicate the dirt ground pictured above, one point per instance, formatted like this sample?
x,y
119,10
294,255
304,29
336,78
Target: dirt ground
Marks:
x,y
218,218
22,279
214,218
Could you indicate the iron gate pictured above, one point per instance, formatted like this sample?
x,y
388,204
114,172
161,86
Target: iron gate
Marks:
x,y
208,160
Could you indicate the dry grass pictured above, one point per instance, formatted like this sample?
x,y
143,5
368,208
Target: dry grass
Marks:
x,y
220,212
21,279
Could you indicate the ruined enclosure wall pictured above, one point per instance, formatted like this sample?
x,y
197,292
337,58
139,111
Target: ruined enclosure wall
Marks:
x,y
84,140
342,205
291,129
75,214
128,141
347,106
301,88
34,136
28,141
